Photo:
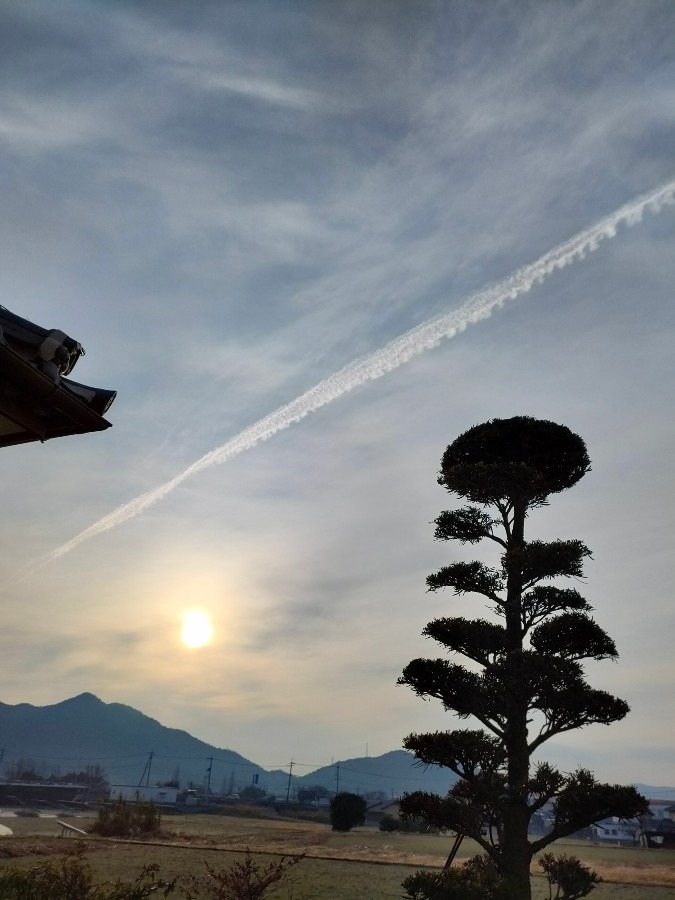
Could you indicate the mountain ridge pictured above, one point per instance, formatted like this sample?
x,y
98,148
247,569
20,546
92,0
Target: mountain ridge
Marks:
x,y
84,730
130,746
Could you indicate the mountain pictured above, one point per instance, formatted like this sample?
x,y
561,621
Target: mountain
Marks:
x,y
392,773
84,731
657,792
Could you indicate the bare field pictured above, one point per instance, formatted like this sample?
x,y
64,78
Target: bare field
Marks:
x,y
364,863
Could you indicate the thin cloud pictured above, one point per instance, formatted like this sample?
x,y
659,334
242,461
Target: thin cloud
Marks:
x,y
269,91
418,340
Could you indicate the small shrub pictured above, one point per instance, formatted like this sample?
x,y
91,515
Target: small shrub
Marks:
x,y
389,823
145,884
242,880
477,879
71,878
481,870
571,878
66,879
125,819
447,885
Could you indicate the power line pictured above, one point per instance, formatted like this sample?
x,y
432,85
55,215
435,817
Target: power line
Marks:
x,y
267,768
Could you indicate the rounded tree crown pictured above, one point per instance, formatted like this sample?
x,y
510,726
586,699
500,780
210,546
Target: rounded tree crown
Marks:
x,y
521,459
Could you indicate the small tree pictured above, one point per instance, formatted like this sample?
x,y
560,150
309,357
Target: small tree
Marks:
x,y
347,811
525,683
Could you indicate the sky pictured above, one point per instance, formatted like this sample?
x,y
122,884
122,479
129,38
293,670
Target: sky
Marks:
x,y
228,202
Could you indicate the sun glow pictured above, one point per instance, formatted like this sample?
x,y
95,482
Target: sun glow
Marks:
x,y
196,631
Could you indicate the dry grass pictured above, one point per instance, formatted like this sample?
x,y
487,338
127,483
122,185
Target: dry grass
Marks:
x,y
657,875
364,863
15,849
624,865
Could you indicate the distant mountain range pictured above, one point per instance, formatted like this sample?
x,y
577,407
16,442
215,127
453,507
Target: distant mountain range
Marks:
x,y
133,748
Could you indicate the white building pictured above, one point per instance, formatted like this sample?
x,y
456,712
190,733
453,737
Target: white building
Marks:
x,y
616,831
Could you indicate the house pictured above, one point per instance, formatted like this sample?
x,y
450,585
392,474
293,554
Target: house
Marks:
x,y
377,812
616,831
657,830
659,809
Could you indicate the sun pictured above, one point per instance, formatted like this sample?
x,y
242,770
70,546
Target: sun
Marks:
x,y
196,631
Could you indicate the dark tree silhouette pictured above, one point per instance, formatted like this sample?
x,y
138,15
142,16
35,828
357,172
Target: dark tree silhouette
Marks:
x,y
347,811
525,682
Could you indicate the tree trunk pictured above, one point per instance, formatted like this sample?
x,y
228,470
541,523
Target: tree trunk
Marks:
x,y
516,852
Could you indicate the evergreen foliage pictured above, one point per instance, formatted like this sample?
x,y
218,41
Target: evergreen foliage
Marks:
x,y
347,811
525,683
476,879
571,879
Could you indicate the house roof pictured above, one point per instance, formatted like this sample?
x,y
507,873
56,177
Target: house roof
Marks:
x,y
38,404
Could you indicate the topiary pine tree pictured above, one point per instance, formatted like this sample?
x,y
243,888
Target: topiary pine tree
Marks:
x,y
525,683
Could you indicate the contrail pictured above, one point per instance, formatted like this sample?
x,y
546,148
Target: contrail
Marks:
x,y
423,337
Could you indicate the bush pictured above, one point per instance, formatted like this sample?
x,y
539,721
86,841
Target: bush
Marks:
x,y
572,879
389,823
347,811
241,880
71,879
446,885
477,879
125,819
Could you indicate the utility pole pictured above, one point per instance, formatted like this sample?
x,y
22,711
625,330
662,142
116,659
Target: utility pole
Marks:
x,y
208,778
337,778
147,768
290,775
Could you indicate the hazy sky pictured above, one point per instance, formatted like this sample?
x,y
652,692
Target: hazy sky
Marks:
x,y
227,202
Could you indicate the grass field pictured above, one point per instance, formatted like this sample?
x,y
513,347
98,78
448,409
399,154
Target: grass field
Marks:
x,y
364,864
